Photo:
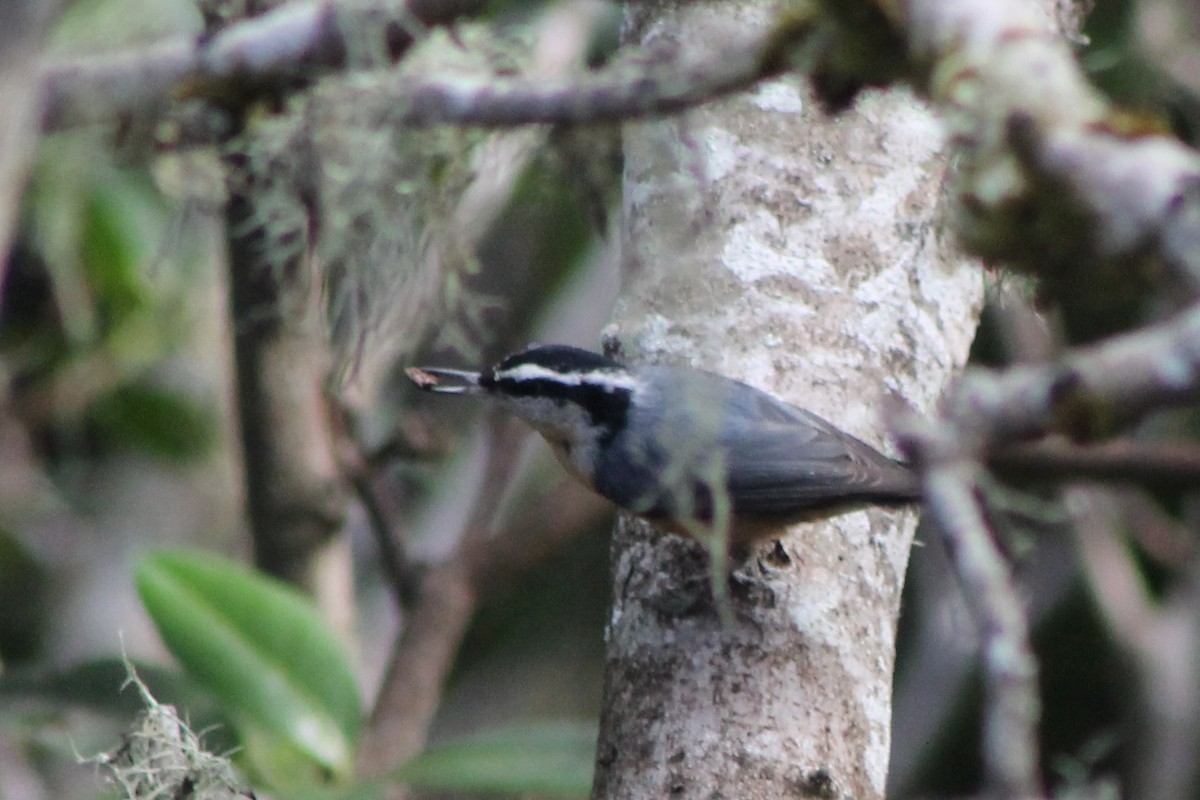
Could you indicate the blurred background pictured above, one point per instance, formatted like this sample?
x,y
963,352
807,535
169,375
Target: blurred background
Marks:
x,y
124,428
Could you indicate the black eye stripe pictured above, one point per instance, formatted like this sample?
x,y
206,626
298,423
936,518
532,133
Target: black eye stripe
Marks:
x,y
551,388
583,394
606,405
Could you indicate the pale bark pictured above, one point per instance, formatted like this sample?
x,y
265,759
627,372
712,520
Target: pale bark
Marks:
x,y
800,253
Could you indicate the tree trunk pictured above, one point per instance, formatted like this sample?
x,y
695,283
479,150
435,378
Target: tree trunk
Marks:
x,y
800,253
296,497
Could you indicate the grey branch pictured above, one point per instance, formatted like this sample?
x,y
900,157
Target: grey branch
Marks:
x,y
448,594
1020,150
1153,631
293,42
1116,380
1010,735
1035,138
1159,464
620,92
1119,378
298,40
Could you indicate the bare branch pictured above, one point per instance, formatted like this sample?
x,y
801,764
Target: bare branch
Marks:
x,y
953,502
1159,636
289,45
1038,144
1085,390
397,568
1163,465
413,439
420,664
621,92
422,658
299,40
1132,194
1089,389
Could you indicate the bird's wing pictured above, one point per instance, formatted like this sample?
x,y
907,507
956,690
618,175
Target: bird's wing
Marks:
x,y
790,460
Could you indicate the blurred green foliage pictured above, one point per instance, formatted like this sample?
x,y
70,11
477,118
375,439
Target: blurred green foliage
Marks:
x,y
269,661
23,594
147,418
264,651
96,26
552,759
94,303
1116,62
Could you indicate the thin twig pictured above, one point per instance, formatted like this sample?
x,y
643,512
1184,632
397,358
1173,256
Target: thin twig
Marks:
x,y
424,653
953,502
399,571
1161,465
361,470
1159,635
449,593
620,92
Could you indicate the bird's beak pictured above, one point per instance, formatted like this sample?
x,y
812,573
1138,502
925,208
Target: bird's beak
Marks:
x,y
444,381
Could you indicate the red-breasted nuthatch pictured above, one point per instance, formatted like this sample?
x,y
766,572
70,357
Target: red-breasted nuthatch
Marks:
x,y
684,448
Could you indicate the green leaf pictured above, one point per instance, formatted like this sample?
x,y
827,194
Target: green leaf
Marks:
x,y
154,420
271,762
261,648
548,759
541,759
114,247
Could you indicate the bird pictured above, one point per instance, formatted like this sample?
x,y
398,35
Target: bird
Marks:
x,y
688,450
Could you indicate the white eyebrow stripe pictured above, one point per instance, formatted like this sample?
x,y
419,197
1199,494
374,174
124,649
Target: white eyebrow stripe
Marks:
x,y
608,379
